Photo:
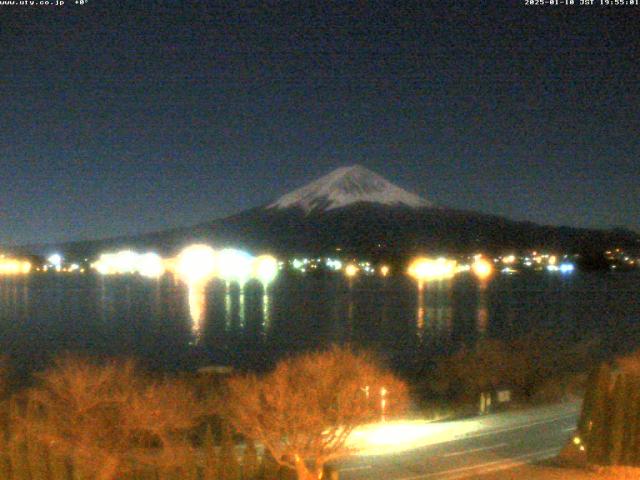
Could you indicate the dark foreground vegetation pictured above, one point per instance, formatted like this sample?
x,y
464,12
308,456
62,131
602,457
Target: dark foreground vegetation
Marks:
x,y
609,427
536,369
84,419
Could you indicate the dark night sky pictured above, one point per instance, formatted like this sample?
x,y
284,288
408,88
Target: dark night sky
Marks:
x,y
120,120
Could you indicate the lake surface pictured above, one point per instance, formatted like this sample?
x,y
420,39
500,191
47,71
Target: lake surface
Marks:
x,y
45,314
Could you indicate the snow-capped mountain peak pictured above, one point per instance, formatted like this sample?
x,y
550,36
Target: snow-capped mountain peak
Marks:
x,y
346,186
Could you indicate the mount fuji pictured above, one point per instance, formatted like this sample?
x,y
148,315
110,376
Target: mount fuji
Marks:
x,y
348,186
356,211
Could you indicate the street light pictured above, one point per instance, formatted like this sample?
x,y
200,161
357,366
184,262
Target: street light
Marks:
x,y
383,402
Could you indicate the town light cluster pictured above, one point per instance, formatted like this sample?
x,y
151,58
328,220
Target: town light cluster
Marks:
x,y
424,269
198,264
127,261
201,263
265,269
14,266
195,264
54,261
234,265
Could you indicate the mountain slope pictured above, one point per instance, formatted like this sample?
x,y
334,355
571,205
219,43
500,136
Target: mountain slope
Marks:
x,y
361,213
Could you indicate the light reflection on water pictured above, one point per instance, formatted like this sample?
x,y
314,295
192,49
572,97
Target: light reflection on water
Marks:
x,y
227,305
164,322
197,305
434,309
266,311
482,316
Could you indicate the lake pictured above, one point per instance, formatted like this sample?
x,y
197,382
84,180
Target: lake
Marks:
x,y
44,314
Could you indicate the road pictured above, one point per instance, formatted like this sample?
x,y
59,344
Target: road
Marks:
x,y
465,448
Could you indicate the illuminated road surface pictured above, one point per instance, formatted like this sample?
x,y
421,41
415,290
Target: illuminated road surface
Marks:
x,y
466,448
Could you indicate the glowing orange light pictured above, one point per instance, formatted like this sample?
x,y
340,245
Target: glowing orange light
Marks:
x,y
509,259
351,270
13,266
482,268
425,269
127,262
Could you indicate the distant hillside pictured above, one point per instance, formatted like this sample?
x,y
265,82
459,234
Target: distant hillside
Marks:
x,y
358,211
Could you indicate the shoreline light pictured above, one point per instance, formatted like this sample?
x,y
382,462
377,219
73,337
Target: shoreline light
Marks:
x,y
14,266
55,261
424,269
265,269
196,264
351,270
482,268
128,262
509,259
566,267
333,264
234,265
150,265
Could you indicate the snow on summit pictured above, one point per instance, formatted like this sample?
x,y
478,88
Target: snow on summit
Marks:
x,y
346,186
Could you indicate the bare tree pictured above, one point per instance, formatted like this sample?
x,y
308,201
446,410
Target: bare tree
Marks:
x,y
629,363
526,364
304,411
110,419
470,371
